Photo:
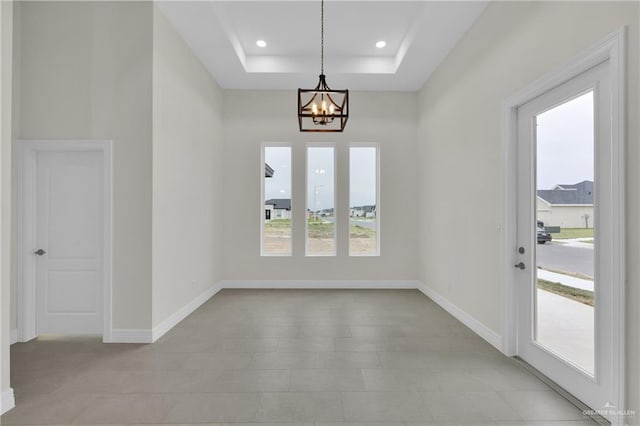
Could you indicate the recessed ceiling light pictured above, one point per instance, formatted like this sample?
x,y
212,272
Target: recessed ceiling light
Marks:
x,y
381,44
261,43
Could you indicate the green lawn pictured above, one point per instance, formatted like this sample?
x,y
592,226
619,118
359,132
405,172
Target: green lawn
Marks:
x,y
317,228
278,224
358,231
573,233
577,294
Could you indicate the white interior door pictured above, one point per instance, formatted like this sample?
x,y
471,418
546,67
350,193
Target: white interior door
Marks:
x,y
564,289
69,232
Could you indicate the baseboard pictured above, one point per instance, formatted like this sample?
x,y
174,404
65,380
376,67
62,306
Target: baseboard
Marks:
x,y
173,320
130,335
7,401
13,336
320,284
479,328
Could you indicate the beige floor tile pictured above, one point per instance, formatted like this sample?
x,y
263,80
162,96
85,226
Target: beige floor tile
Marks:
x,y
469,407
406,379
54,408
508,378
363,424
184,381
250,381
362,344
343,360
384,407
184,345
282,360
326,380
327,329
213,407
261,357
541,405
125,408
217,361
41,381
101,381
306,344
246,345
271,424
300,407
145,360
391,331
460,380
586,422
408,360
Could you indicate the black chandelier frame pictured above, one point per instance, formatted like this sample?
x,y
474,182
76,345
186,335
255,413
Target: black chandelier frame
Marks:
x,y
331,104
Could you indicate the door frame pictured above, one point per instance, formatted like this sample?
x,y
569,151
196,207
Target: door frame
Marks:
x,y
611,48
25,236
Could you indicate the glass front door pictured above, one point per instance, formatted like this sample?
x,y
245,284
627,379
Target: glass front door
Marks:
x,y
565,230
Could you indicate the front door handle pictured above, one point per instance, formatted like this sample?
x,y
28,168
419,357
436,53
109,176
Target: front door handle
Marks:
x,y
520,266
39,252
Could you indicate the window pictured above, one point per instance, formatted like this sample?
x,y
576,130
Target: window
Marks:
x,y
364,212
276,196
321,218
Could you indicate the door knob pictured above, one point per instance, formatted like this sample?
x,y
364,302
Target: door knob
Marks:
x,y
520,265
39,252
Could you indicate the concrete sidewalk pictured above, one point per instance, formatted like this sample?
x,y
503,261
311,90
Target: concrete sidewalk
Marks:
x,y
566,327
576,242
563,279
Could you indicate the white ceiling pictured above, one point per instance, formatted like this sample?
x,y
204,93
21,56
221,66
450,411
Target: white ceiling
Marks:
x,y
419,35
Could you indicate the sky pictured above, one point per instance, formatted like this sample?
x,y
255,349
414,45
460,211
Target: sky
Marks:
x,y
362,181
320,176
565,143
278,186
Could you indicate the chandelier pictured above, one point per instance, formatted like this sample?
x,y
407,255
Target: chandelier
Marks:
x,y
322,109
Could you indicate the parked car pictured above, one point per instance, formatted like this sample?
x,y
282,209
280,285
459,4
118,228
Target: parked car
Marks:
x,y
542,234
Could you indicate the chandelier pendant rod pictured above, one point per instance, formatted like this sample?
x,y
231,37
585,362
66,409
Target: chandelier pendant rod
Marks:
x,y
322,37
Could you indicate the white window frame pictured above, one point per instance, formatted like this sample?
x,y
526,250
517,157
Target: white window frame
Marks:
x,y
263,148
306,197
378,198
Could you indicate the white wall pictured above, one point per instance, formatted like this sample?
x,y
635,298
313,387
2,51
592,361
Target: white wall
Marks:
x,y
253,117
187,174
85,72
511,45
6,60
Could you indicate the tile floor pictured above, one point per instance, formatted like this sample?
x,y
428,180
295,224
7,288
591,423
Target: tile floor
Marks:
x,y
287,357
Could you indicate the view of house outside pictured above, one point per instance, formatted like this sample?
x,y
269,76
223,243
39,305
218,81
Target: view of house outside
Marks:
x,y
321,226
565,301
363,195
277,230
320,212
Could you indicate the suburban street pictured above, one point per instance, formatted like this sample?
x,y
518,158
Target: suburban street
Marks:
x,y
564,257
370,224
